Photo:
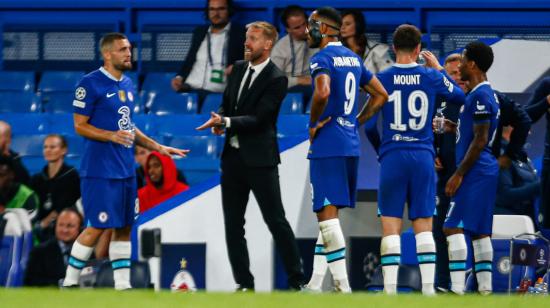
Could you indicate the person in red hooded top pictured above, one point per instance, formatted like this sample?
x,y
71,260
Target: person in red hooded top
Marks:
x,y
161,179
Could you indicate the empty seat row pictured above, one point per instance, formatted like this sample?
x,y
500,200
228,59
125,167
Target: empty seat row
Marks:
x,y
55,94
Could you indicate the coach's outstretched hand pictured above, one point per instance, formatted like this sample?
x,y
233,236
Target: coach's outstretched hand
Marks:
x,y
215,122
313,130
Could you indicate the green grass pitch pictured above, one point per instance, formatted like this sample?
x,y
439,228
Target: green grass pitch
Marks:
x,y
35,298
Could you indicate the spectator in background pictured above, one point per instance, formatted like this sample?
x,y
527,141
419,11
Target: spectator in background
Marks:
x,y
291,53
162,183
140,155
539,105
57,186
375,58
47,261
14,194
213,51
21,173
518,185
375,55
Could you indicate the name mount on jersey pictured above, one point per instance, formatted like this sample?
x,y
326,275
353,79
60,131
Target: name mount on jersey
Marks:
x,y
406,79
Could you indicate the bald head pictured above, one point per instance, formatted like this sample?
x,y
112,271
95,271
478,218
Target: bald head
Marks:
x,y
5,138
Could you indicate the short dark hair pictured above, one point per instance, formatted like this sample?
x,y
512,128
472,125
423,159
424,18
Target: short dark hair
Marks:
x,y
406,37
292,10
60,137
7,161
481,54
108,39
230,8
331,14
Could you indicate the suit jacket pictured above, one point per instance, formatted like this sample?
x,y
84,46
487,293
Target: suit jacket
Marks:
x,y
235,47
255,118
46,265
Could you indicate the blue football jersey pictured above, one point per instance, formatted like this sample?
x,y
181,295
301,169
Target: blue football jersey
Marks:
x,y
481,106
108,103
339,136
407,116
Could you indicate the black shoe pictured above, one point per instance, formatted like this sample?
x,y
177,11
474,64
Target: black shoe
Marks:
x,y
242,289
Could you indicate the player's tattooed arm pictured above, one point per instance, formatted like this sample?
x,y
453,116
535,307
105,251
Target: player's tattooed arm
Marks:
x,y
481,137
377,99
146,142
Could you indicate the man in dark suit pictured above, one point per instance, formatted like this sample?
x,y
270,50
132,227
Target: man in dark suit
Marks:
x,y
214,49
48,261
250,157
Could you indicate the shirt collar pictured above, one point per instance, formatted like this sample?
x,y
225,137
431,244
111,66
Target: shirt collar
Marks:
x,y
408,65
225,29
259,67
337,43
104,71
479,85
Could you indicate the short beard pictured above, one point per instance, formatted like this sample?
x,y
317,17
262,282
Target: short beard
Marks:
x,y
122,67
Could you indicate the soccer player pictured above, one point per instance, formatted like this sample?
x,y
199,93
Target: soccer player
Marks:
x,y
337,75
406,155
103,104
473,185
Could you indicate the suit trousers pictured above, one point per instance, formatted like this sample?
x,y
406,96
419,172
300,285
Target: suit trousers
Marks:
x,y
237,180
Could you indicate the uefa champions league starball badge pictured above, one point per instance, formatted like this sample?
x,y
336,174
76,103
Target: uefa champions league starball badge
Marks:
x,y
183,280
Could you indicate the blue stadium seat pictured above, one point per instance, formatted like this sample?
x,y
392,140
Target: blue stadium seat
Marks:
x,y
212,102
26,123
59,81
292,104
135,79
180,125
60,123
18,101
205,147
158,82
28,145
292,125
17,81
75,145
57,102
162,103
145,123
203,161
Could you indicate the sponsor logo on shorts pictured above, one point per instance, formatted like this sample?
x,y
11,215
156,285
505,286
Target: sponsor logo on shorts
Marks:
x,y
103,217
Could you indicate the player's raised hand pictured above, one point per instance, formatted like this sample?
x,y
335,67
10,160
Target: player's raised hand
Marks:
x,y
169,151
313,130
214,121
431,60
124,137
453,184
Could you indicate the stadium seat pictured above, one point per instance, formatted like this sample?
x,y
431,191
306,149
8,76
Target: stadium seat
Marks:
x,y
180,125
17,81
18,101
135,79
28,145
59,81
158,82
292,125
60,123
162,103
75,144
57,102
140,275
508,226
26,123
292,104
200,146
212,102
145,123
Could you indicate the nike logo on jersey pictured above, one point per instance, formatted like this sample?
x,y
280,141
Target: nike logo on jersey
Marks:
x,y
110,95
480,107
